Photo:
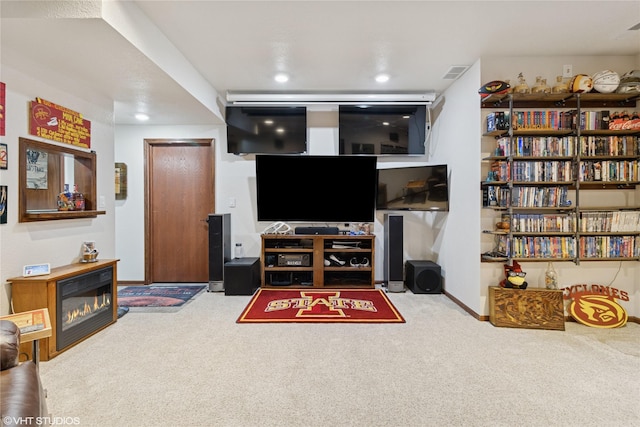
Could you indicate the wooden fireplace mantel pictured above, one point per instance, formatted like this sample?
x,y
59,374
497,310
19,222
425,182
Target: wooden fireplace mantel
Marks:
x,y
34,292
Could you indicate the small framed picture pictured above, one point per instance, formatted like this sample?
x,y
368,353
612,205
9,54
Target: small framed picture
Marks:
x,y
121,181
4,156
3,204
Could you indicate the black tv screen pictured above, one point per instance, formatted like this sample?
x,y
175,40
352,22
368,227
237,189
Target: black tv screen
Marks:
x,y
266,129
418,188
382,129
316,188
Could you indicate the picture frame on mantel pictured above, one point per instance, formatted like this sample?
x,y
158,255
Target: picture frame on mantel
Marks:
x,y
121,181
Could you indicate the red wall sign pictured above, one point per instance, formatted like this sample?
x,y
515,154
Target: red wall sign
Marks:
x,y
3,100
60,124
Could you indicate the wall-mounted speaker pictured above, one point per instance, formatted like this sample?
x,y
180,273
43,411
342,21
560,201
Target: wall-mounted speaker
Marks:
x,y
423,277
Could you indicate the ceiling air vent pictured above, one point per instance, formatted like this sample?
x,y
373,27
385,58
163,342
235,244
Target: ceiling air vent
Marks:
x,y
455,71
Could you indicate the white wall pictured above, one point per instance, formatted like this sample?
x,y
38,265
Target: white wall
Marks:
x,y
456,142
235,181
453,239
56,242
129,149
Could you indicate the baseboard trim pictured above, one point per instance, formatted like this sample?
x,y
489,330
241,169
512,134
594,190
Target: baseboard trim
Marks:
x,y
131,282
465,308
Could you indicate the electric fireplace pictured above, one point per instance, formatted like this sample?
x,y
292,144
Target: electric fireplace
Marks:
x,y
83,305
82,300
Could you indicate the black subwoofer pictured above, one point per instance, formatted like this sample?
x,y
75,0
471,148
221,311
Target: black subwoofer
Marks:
x,y
423,277
241,276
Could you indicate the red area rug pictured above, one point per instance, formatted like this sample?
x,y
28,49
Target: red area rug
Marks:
x,y
320,306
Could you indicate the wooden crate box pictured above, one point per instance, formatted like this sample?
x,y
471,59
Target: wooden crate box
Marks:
x,y
529,308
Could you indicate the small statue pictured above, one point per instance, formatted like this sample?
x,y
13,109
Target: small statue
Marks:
x,y
522,86
514,277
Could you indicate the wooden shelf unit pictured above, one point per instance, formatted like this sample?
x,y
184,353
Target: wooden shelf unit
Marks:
x,y
570,155
316,249
63,165
36,292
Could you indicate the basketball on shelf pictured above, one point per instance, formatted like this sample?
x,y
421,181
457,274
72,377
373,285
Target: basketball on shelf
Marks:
x,y
606,81
630,82
581,83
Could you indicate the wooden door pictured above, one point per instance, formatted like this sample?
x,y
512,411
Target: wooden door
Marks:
x,y
179,195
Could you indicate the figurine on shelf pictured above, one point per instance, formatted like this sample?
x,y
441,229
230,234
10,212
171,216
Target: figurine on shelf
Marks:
x,y
89,252
540,86
560,86
522,86
78,199
65,200
514,277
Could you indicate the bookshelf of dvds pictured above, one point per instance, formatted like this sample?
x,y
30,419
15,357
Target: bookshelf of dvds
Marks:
x,y
318,261
549,157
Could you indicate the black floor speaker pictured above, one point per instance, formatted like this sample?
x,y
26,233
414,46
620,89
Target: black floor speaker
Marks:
x,y
393,253
241,276
219,249
423,277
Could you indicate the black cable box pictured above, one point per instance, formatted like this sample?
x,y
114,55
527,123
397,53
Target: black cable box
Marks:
x,y
318,230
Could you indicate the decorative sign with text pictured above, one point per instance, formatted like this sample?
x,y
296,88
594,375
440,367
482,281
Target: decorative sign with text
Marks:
x,y
596,305
60,124
3,100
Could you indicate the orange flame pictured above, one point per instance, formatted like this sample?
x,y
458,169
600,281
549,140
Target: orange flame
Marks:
x,y
87,309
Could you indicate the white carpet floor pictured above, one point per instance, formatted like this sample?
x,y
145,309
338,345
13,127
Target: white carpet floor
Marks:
x,y
197,367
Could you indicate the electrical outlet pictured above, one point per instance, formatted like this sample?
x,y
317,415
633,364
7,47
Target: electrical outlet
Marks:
x,y
567,71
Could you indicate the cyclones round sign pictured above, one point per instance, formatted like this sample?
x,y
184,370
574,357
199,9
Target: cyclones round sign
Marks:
x,y
599,311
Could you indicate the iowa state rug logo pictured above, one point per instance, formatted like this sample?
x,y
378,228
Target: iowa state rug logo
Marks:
x,y
298,305
317,304
598,311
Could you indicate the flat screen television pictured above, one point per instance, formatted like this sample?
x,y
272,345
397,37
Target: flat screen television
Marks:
x,y
316,189
266,129
382,129
417,188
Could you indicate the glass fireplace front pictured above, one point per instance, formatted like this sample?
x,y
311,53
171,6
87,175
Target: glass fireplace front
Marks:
x,y
83,305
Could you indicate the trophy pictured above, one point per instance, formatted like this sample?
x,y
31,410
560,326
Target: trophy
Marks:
x,y
89,252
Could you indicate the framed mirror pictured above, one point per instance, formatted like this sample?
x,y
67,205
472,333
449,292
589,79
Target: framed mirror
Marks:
x,y
46,172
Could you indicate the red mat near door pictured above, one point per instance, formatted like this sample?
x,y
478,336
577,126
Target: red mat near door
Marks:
x,y
320,306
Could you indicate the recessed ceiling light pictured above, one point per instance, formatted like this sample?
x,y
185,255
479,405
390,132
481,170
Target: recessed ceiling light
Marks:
x,y
382,78
142,117
281,78
268,122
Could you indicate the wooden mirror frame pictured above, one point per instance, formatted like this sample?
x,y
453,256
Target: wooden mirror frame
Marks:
x,y
41,204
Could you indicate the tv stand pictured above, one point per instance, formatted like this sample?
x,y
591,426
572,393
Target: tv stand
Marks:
x,y
299,261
